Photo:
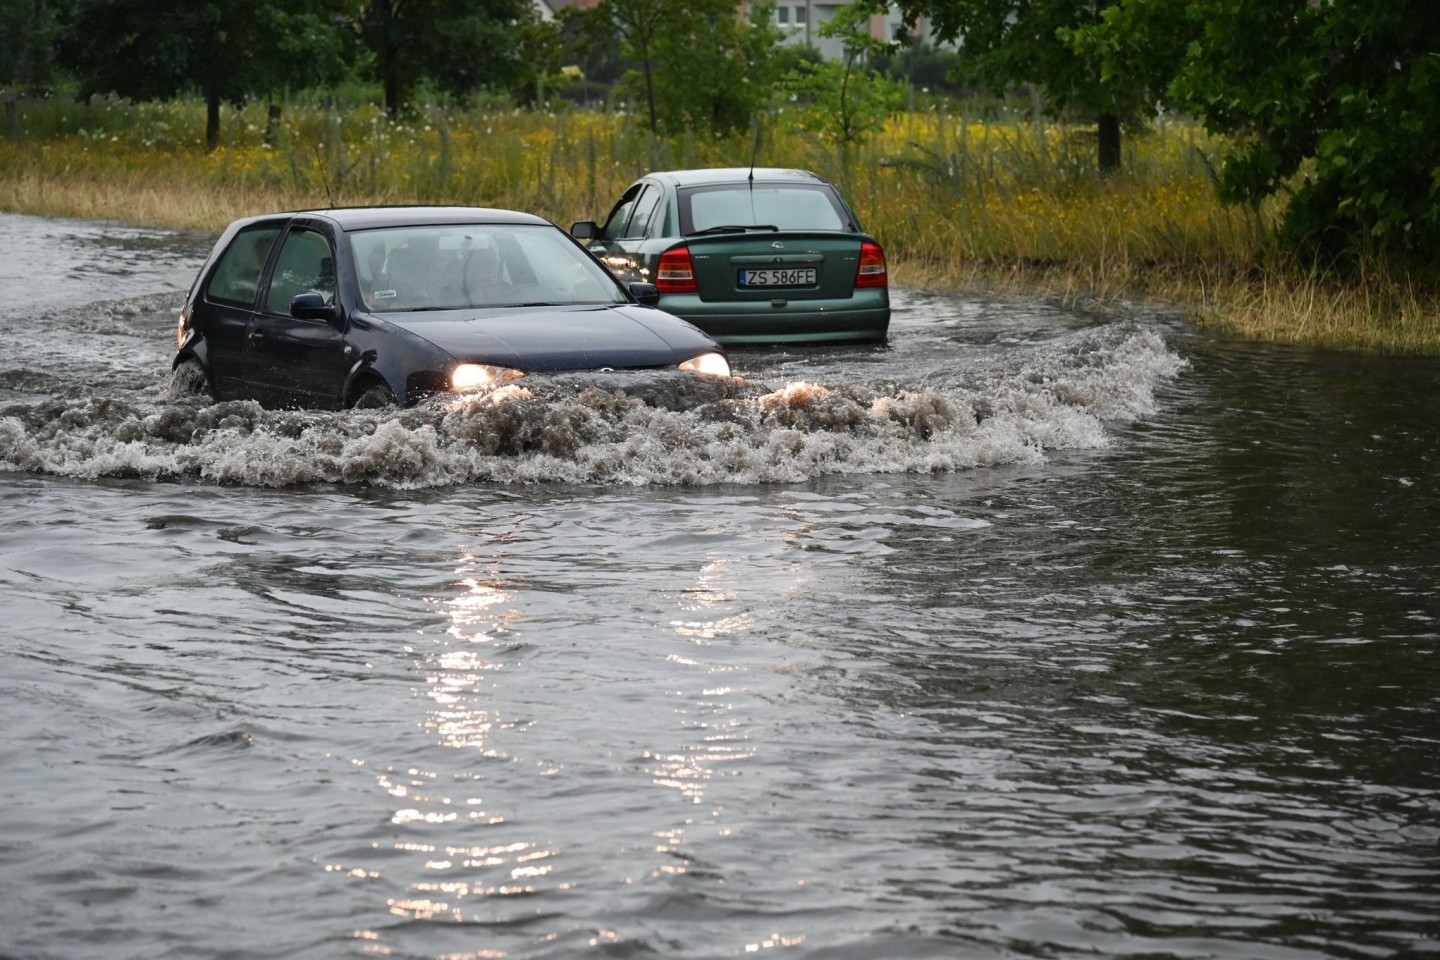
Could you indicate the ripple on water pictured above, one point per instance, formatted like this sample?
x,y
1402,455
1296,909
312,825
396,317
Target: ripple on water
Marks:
x,y
1162,686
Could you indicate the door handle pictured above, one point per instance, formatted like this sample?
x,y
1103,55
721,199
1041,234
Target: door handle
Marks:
x,y
255,335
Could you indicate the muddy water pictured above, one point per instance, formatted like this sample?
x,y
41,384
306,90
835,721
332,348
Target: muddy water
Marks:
x,y
1035,633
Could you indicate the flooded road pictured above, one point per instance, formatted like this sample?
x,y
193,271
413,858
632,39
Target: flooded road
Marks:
x,y
1034,633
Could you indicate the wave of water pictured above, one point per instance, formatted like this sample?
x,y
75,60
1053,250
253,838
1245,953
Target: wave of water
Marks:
x,y
614,429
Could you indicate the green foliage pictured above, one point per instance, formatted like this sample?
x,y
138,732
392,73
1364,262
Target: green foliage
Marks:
x,y
927,67
1339,102
1138,44
112,47
1329,107
1004,43
795,56
842,103
229,50
1333,105
540,49
458,45
27,57
637,23
716,69
592,44
844,100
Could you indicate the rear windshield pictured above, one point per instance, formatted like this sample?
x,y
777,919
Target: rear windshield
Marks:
x,y
784,206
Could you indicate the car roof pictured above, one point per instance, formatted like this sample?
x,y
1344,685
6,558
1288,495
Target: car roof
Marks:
x,y
365,218
712,175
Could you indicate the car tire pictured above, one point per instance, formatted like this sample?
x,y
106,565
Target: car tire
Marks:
x,y
188,380
377,396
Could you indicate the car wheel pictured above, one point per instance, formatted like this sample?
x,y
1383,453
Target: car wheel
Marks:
x,y
188,380
374,397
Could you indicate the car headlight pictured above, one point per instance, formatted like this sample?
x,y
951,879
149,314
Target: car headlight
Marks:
x,y
711,363
481,376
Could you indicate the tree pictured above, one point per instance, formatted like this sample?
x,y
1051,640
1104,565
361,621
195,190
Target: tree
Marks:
x,y
593,43
845,100
227,49
637,22
540,48
715,66
28,61
1332,104
473,40
1008,42
921,64
1337,101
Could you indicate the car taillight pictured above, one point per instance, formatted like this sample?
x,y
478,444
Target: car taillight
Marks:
x,y
676,273
871,272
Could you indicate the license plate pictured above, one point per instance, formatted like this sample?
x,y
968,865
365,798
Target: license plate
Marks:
x,y
771,277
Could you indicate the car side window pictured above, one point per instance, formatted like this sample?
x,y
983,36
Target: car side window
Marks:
x,y
237,273
305,264
620,214
640,216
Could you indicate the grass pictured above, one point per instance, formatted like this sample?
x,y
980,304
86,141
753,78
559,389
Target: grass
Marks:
x,y
1008,205
1377,313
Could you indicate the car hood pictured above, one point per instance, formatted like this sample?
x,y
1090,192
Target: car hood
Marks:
x,y
585,337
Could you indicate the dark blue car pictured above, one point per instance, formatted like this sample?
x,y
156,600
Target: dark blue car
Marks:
x,y
390,305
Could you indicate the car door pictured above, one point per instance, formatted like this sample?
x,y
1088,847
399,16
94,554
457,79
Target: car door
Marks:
x,y
622,238
290,361
229,299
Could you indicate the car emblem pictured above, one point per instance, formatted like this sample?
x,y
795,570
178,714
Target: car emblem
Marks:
x,y
777,245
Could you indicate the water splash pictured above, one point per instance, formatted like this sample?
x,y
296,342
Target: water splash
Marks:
x,y
666,429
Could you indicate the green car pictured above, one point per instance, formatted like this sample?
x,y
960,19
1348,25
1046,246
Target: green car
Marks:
x,y
759,255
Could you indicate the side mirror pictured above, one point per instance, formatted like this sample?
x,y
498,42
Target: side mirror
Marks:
x,y
646,294
312,306
585,230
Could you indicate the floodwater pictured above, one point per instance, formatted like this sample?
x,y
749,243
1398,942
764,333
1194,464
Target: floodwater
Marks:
x,y
1037,633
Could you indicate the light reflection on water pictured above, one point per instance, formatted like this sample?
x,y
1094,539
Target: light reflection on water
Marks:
x,y
1171,693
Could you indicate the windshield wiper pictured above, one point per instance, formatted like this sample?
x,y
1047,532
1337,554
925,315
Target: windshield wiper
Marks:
x,y
736,228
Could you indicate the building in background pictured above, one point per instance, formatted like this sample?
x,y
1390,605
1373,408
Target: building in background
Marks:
x,y
548,8
799,20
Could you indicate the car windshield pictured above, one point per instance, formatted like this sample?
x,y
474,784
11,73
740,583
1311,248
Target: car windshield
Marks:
x,y
767,206
460,266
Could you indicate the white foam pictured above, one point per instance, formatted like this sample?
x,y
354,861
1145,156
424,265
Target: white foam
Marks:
x,y
659,430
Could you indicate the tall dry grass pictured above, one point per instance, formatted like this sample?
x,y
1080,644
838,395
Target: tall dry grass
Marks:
x,y
957,200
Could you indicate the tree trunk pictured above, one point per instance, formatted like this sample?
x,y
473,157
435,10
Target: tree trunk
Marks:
x,y
1109,142
650,95
272,123
390,68
212,121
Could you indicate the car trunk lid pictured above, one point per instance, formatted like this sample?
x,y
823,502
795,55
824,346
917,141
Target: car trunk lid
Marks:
x,y
770,265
